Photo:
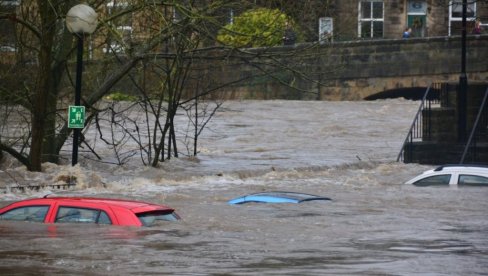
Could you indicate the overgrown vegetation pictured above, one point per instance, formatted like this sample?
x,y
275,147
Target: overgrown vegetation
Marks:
x,y
255,28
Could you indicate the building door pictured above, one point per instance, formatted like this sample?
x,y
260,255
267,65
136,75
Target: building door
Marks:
x,y
416,17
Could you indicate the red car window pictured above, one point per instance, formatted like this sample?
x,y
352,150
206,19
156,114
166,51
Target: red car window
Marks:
x,y
27,213
155,217
81,215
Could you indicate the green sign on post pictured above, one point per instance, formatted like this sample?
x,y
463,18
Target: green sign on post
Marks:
x,y
76,116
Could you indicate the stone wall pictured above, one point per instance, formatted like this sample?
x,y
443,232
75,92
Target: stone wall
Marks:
x,y
335,71
355,70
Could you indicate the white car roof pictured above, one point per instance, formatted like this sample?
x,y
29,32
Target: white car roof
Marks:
x,y
462,168
467,169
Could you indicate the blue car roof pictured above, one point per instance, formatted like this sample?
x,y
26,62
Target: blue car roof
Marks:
x,y
276,197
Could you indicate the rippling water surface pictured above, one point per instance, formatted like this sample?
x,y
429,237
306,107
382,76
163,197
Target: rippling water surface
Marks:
x,y
375,225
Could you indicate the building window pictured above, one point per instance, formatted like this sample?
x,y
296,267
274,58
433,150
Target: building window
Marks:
x,y
456,9
371,17
456,14
10,3
120,35
8,38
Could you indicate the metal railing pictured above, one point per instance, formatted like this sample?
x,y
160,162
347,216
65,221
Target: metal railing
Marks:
x,y
421,128
421,125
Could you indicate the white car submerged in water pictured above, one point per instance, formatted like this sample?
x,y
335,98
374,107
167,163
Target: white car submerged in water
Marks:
x,y
468,175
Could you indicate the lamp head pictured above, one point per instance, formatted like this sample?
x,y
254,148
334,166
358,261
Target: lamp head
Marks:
x,y
81,19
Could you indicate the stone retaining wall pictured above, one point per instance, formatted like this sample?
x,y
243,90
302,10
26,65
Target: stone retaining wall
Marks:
x,y
355,70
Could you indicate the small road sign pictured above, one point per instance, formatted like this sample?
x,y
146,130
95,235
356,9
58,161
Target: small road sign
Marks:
x,y
76,116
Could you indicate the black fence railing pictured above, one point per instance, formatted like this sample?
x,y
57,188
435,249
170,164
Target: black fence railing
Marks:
x,y
442,95
421,125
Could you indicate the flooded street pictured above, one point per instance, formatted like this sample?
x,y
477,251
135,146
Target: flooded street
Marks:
x,y
374,225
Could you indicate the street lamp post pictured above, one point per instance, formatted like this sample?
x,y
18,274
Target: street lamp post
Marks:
x,y
80,20
463,82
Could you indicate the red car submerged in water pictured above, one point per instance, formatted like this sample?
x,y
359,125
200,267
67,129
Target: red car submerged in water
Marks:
x,y
88,210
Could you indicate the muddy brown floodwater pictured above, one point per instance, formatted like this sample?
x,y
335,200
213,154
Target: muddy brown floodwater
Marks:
x,y
374,225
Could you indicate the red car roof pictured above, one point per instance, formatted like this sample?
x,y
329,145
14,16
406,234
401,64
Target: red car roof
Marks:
x,y
135,206
129,204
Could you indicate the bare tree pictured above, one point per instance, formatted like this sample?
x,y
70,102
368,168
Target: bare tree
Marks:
x,y
163,58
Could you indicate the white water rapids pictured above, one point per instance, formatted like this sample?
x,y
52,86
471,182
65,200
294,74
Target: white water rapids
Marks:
x,y
374,225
